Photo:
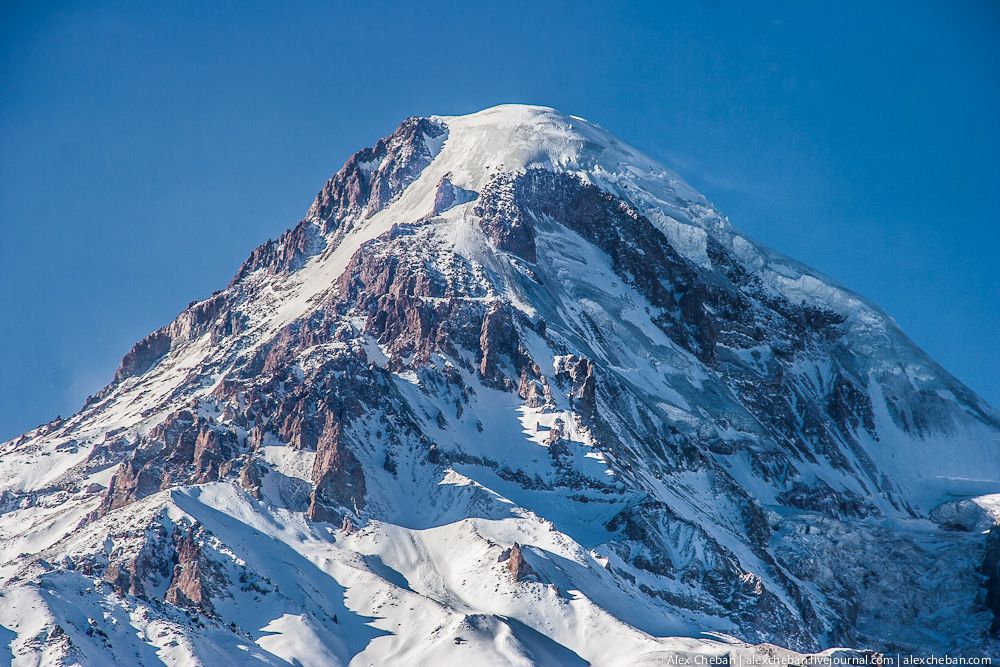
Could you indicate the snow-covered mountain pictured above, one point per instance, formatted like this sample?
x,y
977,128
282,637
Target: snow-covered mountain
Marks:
x,y
510,393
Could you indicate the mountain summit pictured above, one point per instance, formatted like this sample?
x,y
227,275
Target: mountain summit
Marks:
x,y
510,393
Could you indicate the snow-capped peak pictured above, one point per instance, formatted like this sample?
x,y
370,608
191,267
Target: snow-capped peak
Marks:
x,y
509,391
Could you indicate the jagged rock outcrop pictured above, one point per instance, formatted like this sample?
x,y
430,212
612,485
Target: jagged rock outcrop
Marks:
x,y
448,195
499,344
363,186
144,355
338,476
184,448
534,388
209,316
516,565
187,586
251,477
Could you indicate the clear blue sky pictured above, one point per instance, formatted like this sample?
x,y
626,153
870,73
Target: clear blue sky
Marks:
x,y
146,148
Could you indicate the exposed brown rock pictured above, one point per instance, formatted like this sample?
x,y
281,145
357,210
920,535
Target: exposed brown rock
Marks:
x,y
193,321
516,565
134,479
187,587
448,194
364,185
372,176
144,355
498,338
255,438
250,477
534,388
212,450
184,448
338,475
297,428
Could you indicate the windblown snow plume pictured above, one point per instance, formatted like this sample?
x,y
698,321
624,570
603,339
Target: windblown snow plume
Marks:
x,y
511,393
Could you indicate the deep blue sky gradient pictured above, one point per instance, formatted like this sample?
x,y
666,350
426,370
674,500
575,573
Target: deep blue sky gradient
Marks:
x,y
146,148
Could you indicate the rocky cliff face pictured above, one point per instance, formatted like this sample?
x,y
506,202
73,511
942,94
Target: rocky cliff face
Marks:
x,y
509,389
